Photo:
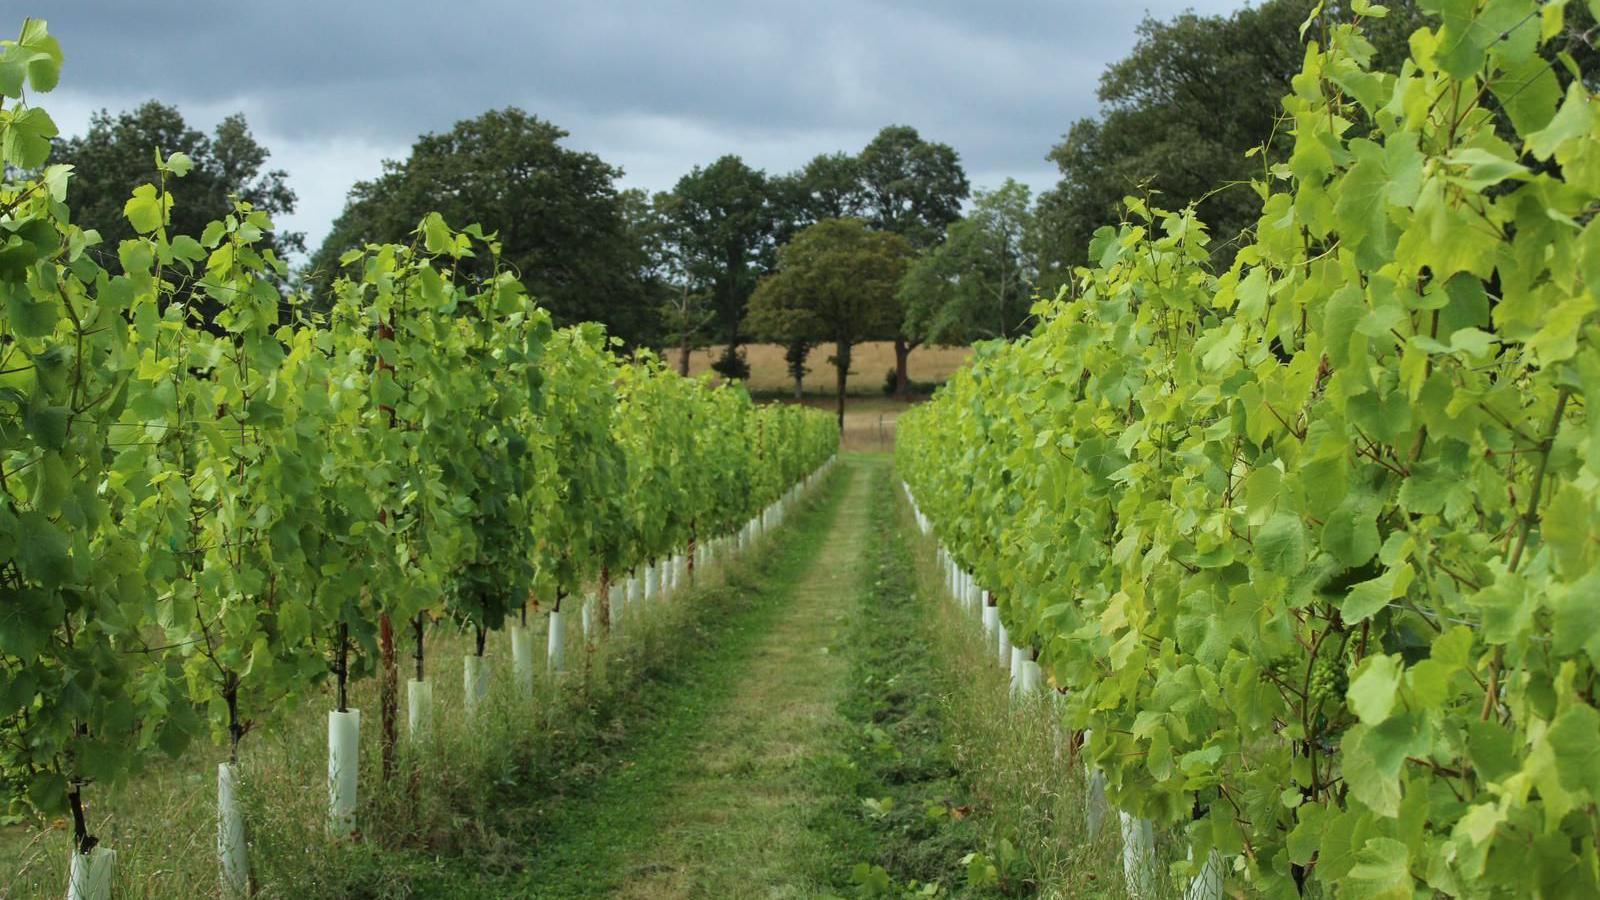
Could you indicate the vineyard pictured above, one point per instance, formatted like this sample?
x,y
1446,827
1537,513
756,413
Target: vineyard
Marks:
x,y
1262,565
1308,547
217,497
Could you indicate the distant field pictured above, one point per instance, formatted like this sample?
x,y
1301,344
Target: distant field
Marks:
x,y
868,365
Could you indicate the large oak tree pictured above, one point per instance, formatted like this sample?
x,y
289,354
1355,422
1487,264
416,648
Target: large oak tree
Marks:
x,y
117,154
914,188
977,283
575,241
722,222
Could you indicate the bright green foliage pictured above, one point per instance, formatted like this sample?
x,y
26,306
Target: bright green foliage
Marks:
x,y
112,158
559,216
1313,544
72,586
199,509
585,518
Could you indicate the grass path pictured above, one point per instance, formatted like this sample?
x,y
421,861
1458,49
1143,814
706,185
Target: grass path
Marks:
x,y
800,747
615,821
736,822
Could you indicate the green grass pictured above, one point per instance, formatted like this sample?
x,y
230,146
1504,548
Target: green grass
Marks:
x,y
736,822
1025,786
894,784
941,778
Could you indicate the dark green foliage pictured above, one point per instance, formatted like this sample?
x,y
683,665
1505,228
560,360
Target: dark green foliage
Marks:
x,y
909,186
576,243
117,154
1180,112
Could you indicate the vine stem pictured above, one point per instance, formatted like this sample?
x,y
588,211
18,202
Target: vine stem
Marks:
x,y
81,838
1530,515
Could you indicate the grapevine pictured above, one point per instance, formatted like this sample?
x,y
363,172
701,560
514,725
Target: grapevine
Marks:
x,y
1312,544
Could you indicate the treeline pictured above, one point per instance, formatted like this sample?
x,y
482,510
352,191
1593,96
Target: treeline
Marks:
x,y
678,269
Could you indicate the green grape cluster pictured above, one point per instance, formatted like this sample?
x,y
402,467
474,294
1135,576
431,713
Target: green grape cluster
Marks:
x,y
1326,687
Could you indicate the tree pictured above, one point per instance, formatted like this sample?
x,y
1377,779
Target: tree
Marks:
x,y
827,187
117,154
794,357
913,188
722,224
685,313
564,228
977,283
1180,112
835,282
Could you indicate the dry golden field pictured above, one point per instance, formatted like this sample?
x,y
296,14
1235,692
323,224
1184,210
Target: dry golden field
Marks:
x,y
868,365
868,421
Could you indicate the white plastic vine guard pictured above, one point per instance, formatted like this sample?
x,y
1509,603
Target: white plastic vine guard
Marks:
x,y
419,710
233,858
557,650
1138,855
90,874
522,659
1095,805
1207,883
344,736
474,681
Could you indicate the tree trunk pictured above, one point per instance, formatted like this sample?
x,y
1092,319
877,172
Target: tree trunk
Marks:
x,y
799,387
683,356
841,363
902,381
388,693
604,600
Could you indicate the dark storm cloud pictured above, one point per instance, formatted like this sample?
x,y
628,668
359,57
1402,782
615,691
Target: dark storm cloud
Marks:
x,y
334,86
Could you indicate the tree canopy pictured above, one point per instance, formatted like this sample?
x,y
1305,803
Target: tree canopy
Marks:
x,y
563,226
117,154
1180,112
835,283
722,220
910,186
978,283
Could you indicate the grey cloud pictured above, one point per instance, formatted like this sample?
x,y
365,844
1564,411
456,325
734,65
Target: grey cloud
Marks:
x,y
656,87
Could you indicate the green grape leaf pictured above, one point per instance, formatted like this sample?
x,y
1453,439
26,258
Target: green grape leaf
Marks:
x,y
1381,872
48,793
1281,545
31,318
1573,121
1351,532
25,137
1528,92
146,210
47,424
1576,752
1374,689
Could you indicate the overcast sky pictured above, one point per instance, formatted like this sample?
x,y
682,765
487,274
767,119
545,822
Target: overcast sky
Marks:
x,y
334,87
